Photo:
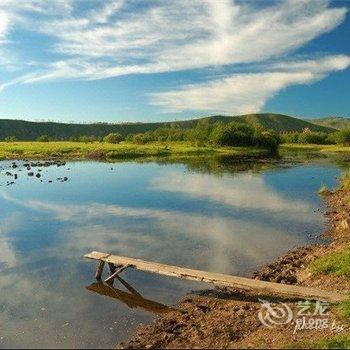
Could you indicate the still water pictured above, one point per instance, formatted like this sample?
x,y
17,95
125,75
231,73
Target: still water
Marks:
x,y
228,218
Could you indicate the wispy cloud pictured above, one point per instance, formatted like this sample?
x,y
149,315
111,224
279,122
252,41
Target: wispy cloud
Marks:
x,y
117,37
3,24
248,92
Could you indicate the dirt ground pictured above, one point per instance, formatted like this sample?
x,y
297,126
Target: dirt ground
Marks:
x,y
227,318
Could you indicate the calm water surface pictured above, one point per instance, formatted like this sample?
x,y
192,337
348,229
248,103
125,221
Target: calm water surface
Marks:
x,y
227,218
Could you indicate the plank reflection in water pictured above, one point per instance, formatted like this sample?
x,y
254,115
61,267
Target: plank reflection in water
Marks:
x,y
132,299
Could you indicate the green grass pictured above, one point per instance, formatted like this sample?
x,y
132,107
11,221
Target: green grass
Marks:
x,y
324,191
337,264
293,147
345,181
335,342
80,150
344,310
98,150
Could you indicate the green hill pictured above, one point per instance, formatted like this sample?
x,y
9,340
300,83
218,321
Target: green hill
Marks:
x,y
25,130
332,122
276,122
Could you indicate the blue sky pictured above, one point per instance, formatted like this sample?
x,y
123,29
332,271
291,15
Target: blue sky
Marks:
x,y
133,60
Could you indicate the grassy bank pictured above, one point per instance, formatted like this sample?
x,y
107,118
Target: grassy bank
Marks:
x,y
98,150
295,147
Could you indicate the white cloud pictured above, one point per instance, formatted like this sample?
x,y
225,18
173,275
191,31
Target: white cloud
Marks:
x,y
181,233
116,38
247,92
102,15
4,21
245,191
8,224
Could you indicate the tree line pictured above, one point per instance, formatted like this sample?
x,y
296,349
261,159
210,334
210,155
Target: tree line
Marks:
x,y
216,134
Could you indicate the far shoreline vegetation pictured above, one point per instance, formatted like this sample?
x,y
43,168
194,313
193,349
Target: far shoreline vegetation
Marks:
x,y
256,135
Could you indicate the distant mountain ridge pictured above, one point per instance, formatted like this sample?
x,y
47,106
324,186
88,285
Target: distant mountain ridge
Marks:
x,y
332,122
26,130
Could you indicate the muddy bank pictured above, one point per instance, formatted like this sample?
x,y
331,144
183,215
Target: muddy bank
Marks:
x,y
227,318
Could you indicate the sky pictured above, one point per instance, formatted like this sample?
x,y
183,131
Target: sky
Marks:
x,y
158,60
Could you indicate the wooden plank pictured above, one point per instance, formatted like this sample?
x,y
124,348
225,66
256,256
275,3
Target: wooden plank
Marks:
x,y
222,279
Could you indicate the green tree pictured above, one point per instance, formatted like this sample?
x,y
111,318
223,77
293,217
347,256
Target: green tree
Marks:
x,y
232,134
290,137
141,138
342,137
43,138
10,139
113,138
267,140
318,138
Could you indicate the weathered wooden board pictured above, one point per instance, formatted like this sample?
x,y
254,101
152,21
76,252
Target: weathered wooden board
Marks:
x,y
221,279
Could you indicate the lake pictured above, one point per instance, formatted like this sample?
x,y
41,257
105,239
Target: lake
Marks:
x,y
216,215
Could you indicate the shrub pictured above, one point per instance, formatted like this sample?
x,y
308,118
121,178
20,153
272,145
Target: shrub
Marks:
x,y
43,138
232,134
318,138
10,139
113,138
267,140
141,138
84,139
342,137
290,137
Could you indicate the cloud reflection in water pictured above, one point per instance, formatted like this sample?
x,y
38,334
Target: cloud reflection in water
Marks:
x,y
228,224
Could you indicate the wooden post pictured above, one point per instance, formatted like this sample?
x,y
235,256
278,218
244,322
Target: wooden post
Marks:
x,y
116,273
99,270
112,268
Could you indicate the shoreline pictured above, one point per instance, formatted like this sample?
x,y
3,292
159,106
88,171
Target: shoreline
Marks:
x,y
113,152
67,150
227,318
